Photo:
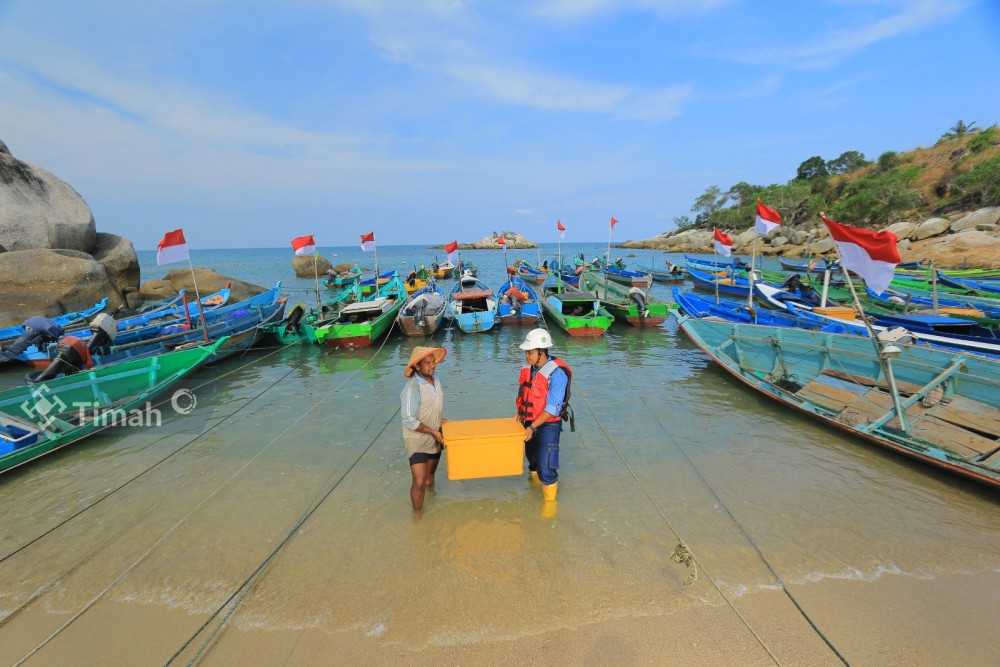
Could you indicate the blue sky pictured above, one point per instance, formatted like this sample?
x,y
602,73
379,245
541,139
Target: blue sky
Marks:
x,y
248,123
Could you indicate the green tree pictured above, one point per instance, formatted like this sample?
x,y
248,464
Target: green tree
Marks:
x,y
982,181
708,204
847,162
814,167
882,198
960,130
888,161
682,222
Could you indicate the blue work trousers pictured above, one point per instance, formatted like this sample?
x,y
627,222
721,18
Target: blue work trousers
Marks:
x,y
542,452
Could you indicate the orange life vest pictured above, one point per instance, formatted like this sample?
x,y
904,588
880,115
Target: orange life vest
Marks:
x,y
533,391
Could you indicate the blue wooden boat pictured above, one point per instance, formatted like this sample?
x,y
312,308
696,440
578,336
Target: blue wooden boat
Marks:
x,y
8,334
989,288
950,403
528,273
734,284
175,322
472,305
423,311
732,311
517,303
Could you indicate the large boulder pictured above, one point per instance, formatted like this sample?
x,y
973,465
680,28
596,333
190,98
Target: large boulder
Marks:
x,y
38,210
930,228
310,266
118,254
52,282
984,216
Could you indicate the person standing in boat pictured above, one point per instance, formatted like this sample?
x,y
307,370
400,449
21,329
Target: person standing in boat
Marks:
x,y
421,407
542,394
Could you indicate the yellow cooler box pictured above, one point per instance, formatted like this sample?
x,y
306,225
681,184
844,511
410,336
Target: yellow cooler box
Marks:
x,y
484,448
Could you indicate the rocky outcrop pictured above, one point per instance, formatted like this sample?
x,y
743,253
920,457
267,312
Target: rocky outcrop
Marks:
x,y
514,242
44,224
52,282
965,239
208,281
308,267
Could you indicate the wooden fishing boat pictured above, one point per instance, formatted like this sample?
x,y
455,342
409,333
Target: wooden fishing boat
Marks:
x,y
181,325
735,311
950,402
531,274
299,325
361,323
472,305
517,303
443,270
9,334
965,274
631,304
338,281
990,288
423,311
732,284
576,312
627,277
368,284
39,419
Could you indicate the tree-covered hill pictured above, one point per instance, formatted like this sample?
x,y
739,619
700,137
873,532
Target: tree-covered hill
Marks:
x,y
961,171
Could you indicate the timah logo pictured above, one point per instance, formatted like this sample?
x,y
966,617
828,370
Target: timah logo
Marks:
x,y
49,409
42,407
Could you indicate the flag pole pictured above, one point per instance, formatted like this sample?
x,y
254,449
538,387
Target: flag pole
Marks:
x,y
197,296
319,299
607,258
375,250
715,274
883,359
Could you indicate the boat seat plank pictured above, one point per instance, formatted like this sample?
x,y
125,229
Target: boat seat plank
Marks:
x,y
832,397
923,424
472,294
903,386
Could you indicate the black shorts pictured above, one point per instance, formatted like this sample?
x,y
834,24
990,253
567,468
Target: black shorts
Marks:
x,y
424,457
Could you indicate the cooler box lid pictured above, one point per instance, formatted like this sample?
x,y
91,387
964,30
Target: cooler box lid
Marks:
x,y
476,448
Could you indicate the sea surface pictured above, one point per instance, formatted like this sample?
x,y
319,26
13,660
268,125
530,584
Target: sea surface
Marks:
x,y
271,523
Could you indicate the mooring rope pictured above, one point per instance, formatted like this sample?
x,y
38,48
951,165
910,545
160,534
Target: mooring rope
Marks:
x,y
180,522
763,559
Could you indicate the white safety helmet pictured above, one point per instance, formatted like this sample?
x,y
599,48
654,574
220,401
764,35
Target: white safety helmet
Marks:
x,y
537,339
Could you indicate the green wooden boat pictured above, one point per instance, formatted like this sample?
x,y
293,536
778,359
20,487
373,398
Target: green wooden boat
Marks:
x,y
361,323
38,419
577,313
300,325
627,303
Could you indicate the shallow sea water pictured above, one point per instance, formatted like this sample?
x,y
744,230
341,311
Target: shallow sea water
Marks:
x,y
272,524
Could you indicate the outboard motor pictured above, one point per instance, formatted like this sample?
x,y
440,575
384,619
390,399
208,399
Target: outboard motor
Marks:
x,y
38,331
103,329
792,283
635,294
417,308
294,319
72,356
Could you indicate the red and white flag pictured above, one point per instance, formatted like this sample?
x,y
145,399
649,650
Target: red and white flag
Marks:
x,y
614,221
500,240
767,218
871,255
723,244
173,248
304,245
562,230
368,241
452,250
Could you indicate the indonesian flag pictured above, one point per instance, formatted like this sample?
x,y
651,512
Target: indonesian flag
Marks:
x,y
452,250
304,245
767,218
871,255
614,221
562,230
173,248
723,244
368,241
500,240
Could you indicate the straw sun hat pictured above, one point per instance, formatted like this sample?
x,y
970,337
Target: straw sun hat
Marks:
x,y
420,353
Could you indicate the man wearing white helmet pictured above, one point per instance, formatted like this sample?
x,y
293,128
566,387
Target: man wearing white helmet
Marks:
x,y
542,392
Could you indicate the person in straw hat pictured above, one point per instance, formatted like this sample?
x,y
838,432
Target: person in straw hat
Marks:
x,y
421,407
